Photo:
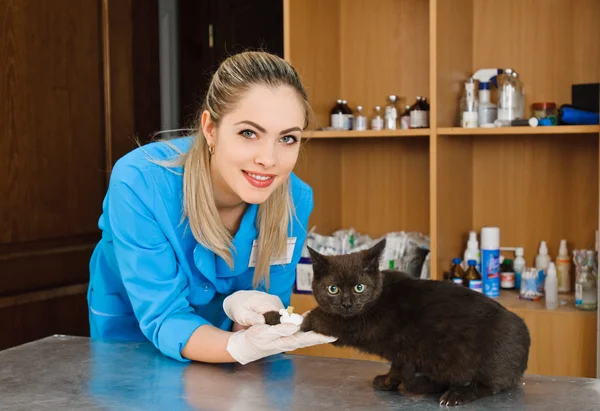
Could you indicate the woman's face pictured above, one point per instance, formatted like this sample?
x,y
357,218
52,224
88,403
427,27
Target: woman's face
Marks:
x,y
256,145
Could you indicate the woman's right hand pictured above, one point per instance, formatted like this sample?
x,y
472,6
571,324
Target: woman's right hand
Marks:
x,y
262,340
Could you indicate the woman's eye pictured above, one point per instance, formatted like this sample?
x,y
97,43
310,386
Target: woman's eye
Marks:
x,y
248,133
332,289
359,288
289,140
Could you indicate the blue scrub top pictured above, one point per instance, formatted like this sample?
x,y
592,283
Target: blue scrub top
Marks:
x,y
149,277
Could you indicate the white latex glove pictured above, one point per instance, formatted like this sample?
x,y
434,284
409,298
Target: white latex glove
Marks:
x,y
263,340
248,306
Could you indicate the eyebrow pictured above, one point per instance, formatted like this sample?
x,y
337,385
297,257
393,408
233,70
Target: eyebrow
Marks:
x,y
262,130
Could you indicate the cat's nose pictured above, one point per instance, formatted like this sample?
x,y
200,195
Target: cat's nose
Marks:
x,y
346,304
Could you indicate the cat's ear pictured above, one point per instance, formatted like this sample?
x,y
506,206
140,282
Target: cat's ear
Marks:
x,y
373,255
319,262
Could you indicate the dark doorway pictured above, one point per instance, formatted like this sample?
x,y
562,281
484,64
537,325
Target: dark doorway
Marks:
x,y
211,30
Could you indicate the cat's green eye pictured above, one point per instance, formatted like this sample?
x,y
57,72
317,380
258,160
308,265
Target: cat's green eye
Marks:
x,y
333,290
359,288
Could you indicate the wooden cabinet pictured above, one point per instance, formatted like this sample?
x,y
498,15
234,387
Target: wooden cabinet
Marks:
x,y
534,183
67,112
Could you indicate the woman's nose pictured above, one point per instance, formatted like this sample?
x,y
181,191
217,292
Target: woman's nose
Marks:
x,y
266,155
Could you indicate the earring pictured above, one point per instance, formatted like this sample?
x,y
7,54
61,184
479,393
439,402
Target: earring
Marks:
x,y
211,149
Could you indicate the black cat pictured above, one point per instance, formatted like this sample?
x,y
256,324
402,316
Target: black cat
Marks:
x,y
438,336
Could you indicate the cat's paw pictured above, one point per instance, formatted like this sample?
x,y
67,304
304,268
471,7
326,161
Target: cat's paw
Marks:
x,y
272,318
385,383
458,395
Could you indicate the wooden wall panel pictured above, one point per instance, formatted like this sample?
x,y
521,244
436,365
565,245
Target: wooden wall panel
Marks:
x,y
391,57
537,188
385,185
556,44
51,117
312,44
28,319
66,114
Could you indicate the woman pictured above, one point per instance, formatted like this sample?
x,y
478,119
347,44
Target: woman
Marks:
x,y
191,225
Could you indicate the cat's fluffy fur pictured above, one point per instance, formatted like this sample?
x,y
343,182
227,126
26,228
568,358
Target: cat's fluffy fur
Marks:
x,y
438,336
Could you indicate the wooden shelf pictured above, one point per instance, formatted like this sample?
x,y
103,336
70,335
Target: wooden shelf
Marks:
x,y
535,183
510,300
518,130
419,132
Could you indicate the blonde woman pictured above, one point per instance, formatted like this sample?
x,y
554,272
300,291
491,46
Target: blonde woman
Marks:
x,y
202,234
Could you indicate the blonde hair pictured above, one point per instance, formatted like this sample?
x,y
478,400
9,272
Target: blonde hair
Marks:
x,y
235,76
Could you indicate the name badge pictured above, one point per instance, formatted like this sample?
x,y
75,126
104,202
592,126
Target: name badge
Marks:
x,y
285,259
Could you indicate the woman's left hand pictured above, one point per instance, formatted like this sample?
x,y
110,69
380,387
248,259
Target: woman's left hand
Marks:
x,y
247,307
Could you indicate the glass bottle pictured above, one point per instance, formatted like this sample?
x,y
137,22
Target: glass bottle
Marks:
x,y
456,272
510,97
391,113
586,283
419,113
405,118
469,106
472,278
377,120
337,116
348,117
360,122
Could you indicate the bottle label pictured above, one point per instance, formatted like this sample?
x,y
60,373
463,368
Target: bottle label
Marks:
x,y
405,122
390,123
507,280
377,123
541,280
349,121
562,271
338,121
457,281
476,285
419,119
360,123
578,294
469,119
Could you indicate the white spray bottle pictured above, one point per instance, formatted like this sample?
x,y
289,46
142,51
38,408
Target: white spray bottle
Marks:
x,y
488,111
472,251
542,261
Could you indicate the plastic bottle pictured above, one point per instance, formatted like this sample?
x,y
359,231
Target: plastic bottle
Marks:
x,y
360,122
472,277
469,106
472,251
490,261
456,272
563,268
488,112
542,260
551,288
377,120
518,266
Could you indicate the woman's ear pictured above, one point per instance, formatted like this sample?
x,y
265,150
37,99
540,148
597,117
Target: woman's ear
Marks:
x,y
208,127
